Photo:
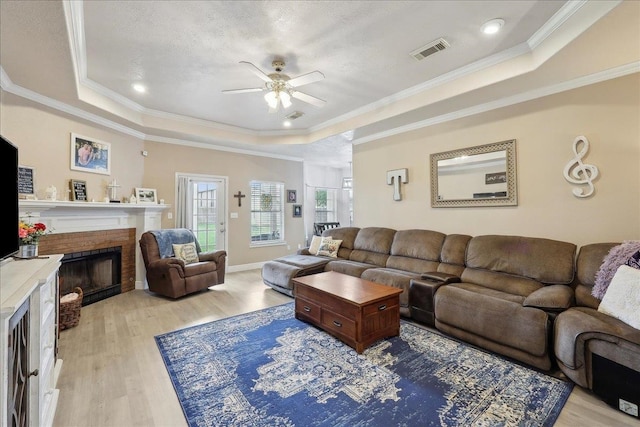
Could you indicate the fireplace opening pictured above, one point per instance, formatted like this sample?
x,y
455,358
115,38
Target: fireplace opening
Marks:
x,y
96,272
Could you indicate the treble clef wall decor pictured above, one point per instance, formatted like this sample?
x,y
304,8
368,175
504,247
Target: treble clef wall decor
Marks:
x,y
580,173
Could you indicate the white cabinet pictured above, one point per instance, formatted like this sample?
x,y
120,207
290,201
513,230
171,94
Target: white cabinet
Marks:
x,y
35,281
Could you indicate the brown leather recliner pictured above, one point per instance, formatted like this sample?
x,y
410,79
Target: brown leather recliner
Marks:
x,y
170,276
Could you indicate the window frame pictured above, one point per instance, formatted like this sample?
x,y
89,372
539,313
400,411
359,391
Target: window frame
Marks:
x,y
327,211
278,213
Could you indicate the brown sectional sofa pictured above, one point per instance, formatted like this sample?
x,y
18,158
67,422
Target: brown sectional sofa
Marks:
x,y
509,291
521,279
512,295
594,350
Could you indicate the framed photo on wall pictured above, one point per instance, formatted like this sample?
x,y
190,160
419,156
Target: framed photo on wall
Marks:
x,y
90,155
291,196
147,195
297,211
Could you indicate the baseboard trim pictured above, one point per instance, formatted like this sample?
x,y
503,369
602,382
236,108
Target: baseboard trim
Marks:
x,y
245,267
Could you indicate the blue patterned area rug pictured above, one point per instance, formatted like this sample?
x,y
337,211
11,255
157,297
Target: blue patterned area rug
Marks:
x,y
267,368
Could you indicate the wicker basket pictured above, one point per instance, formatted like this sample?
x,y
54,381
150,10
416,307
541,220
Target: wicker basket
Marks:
x,y
70,311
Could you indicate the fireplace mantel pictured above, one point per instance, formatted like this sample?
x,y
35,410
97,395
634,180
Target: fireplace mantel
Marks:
x,y
67,217
72,217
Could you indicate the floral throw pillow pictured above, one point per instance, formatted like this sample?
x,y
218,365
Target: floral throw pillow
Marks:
x,y
186,252
316,241
329,247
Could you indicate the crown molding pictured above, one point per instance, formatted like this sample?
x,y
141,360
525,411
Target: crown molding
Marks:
x,y
76,36
194,144
9,86
601,76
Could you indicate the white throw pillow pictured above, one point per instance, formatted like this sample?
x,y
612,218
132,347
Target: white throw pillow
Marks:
x,y
316,241
329,247
622,299
186,252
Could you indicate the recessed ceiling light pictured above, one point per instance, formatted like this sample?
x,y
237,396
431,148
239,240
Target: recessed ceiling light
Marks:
x,y
493,26
286,123
138,87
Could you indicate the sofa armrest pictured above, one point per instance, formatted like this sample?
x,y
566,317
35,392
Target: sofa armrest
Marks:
x,y
216,256
160,266
551,298
442,278
303,251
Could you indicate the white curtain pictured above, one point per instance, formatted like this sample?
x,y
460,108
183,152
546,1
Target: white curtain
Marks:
x,y
183,203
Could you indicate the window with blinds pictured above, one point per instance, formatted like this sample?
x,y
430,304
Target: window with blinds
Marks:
x,y
267,212
326,205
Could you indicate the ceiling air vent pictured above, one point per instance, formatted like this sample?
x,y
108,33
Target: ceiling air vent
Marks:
x,y
295,115
430,49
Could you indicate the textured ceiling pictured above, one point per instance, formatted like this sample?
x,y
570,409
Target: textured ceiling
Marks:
x,y
82,57
187,53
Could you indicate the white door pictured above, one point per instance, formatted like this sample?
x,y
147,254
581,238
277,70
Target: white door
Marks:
x,y
207,211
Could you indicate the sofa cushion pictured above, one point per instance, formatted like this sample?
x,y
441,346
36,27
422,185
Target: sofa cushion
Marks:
x,y
415,250
352,268
372,246
500,281
493,293
306,263
454,249
547,261
348,237
496,319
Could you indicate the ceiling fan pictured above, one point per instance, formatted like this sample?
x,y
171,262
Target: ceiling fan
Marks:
x,y
280,87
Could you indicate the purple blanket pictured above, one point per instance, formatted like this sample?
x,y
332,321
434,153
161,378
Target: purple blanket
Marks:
x,y
617,256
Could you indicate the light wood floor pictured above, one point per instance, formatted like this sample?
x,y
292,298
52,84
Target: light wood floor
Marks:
x,y
113,375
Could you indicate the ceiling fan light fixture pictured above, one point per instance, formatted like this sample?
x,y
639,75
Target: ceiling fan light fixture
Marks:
x,y
285,98
272,99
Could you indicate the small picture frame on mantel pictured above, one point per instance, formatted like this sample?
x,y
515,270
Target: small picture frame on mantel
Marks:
x,y
146,195
78,190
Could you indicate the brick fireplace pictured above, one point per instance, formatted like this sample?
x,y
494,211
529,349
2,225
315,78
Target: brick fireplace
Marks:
x,y
90,241
79,227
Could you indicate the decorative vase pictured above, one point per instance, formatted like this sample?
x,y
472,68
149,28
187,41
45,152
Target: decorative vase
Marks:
x,y
27,251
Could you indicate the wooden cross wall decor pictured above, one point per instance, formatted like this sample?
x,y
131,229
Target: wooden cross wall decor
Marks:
x,y
239,196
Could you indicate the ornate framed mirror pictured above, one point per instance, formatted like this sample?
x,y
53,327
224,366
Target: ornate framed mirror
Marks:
x,y
484,175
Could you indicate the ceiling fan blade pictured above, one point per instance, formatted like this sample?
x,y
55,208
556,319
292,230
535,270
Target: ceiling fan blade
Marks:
x,y
247,90
308,98
257,71
305,79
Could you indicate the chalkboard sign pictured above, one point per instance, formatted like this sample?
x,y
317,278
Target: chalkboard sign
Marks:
x,y
25,181
78,190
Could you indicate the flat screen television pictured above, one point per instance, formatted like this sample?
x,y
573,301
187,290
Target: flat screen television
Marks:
x,y
9,166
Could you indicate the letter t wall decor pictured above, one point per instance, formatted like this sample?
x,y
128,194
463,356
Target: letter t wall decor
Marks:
x,y
395,177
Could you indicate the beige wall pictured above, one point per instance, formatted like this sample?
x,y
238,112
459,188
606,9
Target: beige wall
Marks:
x,y
43,137
165,160
608,114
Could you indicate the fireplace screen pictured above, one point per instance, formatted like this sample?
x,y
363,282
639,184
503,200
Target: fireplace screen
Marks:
x,y
96,272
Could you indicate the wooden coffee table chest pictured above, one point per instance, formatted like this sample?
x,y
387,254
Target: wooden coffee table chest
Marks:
x,y
356,311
